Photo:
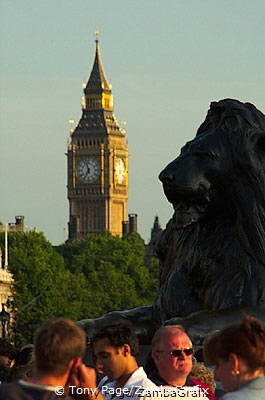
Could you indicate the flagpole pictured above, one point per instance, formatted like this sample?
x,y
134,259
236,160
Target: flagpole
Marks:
x,y
6,249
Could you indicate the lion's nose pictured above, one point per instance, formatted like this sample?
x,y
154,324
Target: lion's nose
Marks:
x,y
166,177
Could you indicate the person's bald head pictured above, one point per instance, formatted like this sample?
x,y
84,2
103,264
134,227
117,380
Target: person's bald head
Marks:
x,y
166,331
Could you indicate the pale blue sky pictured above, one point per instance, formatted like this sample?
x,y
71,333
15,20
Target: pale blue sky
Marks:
x,y
167,60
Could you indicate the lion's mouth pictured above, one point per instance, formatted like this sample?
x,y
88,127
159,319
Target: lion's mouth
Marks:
x,y
186,215
189,206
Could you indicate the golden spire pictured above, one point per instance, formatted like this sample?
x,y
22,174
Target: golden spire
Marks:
x,y
97,79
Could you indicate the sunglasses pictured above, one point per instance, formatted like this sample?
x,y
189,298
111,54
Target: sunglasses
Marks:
x,y
178,353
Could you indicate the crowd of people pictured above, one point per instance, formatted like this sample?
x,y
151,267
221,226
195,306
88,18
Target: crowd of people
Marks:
x,y
54,367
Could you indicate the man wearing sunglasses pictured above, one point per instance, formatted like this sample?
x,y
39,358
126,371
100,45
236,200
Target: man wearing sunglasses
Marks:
x,y
172,354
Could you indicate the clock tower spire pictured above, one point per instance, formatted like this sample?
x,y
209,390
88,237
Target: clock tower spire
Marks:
x,y
97,162
97,92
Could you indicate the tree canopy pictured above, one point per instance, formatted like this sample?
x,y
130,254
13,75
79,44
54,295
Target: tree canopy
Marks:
x,y
117,274
78,279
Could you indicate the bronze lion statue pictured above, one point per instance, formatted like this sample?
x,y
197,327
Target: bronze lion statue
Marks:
x,y
213,249
212,252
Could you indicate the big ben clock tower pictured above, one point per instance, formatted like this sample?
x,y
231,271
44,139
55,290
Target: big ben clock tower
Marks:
x,y
97,162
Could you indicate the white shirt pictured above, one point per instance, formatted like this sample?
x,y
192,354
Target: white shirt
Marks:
x,y
139,387
133,388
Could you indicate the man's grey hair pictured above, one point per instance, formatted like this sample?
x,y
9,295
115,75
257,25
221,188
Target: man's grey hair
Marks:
x,y
161,330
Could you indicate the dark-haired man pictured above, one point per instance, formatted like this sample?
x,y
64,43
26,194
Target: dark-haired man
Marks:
x,y
172,353
114,350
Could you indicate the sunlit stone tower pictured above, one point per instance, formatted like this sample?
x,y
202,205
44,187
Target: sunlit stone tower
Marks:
x,y
97,162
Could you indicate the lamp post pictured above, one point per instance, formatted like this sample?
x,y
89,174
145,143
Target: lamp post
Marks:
x,y
4,319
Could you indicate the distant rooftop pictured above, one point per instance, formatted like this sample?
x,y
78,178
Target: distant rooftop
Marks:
x,y
17,226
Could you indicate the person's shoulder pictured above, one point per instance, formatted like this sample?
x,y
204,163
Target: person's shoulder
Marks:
x,y
234,396
251,391
204,387
6,386
16,391
140,378
10,391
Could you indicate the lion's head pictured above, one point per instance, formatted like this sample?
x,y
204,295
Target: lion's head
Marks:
x,y
229,149
217,188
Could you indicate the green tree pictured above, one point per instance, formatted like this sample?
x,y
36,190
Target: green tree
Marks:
x,y
43,288
77,280
115,271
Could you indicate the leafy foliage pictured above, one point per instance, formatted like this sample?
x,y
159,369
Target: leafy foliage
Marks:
x,y
115,271
79,279
43,288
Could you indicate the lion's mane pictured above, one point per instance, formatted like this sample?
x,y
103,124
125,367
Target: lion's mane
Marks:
x,y
212,252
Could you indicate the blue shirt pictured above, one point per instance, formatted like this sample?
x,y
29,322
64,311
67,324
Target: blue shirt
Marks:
x,y
251,390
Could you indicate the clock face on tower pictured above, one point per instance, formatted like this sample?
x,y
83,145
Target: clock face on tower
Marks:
x,y
88,170
120,170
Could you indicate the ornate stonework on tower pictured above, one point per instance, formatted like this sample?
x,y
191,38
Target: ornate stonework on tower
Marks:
x,y
97,162
6,278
